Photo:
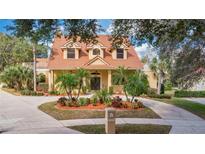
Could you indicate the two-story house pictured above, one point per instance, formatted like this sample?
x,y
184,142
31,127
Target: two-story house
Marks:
x,y
100,59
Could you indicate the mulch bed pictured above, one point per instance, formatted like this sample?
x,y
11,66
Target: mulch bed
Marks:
x,y
98,106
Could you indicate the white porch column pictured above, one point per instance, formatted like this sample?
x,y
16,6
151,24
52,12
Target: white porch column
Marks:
x,y
50,80
84,81
109,79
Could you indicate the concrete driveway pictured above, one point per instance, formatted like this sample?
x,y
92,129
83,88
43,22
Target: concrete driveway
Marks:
x,y
20,114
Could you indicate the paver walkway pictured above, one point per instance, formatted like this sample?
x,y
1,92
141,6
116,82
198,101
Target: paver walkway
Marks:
x,y
198,100
19,114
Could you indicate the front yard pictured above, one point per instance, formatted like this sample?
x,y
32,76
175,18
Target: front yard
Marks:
x,y
59,114
193,107
125,129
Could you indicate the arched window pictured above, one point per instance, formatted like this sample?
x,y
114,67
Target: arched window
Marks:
x,y
96,52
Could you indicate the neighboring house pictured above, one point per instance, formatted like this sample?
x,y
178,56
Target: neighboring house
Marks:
x,y
42,67
198,86
100,59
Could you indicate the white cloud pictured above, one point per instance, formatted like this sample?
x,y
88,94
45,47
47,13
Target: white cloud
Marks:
x,y
109,29
146,50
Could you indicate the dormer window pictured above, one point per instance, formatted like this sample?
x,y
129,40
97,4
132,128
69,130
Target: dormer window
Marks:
x,y
71,53
120,53
96,52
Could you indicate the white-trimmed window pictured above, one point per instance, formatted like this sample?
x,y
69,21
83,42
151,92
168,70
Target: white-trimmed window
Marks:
x,y
120,53
96,52
71,53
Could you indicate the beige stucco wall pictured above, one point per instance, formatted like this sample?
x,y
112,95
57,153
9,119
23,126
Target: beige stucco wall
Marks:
x,y
152,79
105,80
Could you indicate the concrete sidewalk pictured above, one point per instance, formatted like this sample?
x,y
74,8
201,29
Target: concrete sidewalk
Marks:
x,y
197,100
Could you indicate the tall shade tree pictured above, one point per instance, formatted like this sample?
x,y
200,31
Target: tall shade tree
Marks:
x,y
86,30
82,75
15,50
36,31
160,69
120,77
173,38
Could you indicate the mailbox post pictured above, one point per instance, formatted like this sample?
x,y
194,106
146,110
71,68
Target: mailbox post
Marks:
x,y
110,120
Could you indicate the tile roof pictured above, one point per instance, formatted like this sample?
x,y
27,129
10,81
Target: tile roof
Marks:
x,y
41,63
57,62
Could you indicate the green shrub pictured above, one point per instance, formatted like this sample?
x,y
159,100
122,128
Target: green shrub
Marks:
x,y
41,78
108,102
28,92
82,101
43,87
84,89
183,93
151,91
94,100
62,101
168,85
102,95
111,90
53,92
88,100
18,77
161,96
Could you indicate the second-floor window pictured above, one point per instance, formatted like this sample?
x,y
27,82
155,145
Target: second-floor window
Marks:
x,y
120,53
71,53
96,52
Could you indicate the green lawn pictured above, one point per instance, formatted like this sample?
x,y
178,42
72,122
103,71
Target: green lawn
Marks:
x,y
83,114
195,108
125,129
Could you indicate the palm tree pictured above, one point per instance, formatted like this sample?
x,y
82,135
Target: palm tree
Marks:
x,y
137,84
160,69
67,82
81,74
120,77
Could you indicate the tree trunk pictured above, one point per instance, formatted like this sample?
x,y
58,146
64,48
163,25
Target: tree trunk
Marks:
x,y
159,84
125,94
80,87
34,67
132,99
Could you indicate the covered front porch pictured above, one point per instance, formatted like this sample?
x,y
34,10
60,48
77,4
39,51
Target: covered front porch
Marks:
x,y
99,79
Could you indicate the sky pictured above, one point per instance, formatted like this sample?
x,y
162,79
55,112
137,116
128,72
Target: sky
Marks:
x,y
105,23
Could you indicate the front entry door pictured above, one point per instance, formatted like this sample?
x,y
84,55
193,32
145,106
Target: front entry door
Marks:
x,y
95,83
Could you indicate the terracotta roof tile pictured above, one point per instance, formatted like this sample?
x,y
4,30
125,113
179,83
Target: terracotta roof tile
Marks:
x,y
57,62
42,63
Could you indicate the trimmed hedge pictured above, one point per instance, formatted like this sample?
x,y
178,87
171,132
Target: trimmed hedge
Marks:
x,y
183,93
161,96
27,92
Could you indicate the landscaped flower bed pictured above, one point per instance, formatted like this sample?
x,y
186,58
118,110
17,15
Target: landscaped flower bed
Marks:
x,y
97,103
